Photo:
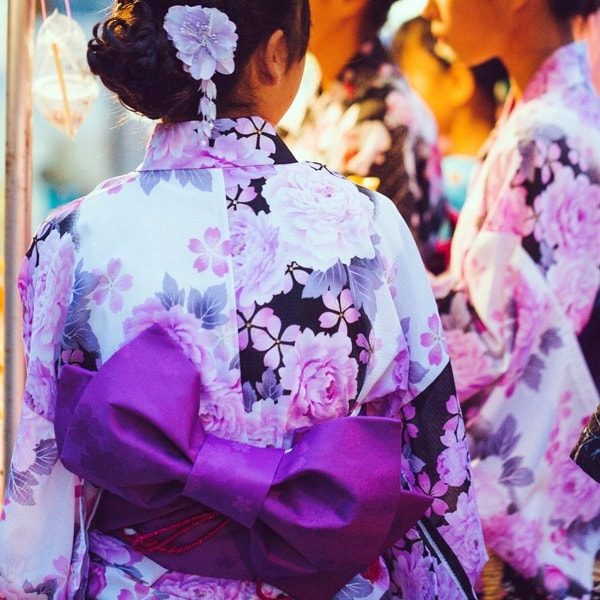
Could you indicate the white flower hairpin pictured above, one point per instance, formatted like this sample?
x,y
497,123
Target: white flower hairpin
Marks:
x,y
205,40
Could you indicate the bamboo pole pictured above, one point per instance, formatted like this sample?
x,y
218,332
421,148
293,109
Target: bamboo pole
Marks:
x,y
17,218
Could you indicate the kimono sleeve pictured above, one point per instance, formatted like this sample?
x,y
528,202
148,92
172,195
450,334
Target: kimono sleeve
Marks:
x,y
526,247
39,532
447,545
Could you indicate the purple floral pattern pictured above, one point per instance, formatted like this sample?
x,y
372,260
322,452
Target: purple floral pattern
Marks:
x,y
526,273
286,287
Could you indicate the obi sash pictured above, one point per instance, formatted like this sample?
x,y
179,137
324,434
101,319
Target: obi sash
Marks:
x,y
305,520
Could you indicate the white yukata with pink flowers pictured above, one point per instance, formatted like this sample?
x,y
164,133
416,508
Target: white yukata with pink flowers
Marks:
x,y
299,296
525,276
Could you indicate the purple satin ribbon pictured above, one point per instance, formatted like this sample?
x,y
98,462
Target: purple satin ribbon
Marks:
x,y
306,520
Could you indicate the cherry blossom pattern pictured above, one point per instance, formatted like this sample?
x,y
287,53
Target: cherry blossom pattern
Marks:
x,y
111,284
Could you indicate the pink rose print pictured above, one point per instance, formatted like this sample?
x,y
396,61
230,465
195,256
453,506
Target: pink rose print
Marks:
x,y
435,340
464,534
319,234
569,219
320,375
575,284
574,494
265,424
180,325
192,587
341,311
110,285
222,407
40,389
515,539
258,262
212,252
415,574
53,281
453,464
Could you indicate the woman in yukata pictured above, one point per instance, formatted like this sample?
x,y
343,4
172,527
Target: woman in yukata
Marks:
x,y
237,384
365,121
520,302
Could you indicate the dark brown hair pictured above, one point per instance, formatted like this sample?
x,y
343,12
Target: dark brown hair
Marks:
x,y
134,58
567,9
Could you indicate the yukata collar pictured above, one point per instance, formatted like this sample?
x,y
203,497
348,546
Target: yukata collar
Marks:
x,y
566,67
241,142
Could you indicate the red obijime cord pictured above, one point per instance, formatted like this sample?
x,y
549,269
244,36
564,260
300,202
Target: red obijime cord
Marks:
x,y
163,539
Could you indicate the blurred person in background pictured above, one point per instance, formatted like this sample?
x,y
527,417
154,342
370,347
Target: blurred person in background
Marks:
x,y
365,121
520,303
465,101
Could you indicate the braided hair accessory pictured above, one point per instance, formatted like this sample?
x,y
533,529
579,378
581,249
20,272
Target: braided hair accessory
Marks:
x,y
205,40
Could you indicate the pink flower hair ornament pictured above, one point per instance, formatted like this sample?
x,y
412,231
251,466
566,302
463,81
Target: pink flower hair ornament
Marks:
x,y
205,40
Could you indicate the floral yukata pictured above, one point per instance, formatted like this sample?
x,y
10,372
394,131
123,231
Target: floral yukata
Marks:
x,y
525,275
299,297
371,124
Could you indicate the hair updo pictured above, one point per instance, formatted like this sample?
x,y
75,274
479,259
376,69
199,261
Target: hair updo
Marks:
x,y
567,9
135,59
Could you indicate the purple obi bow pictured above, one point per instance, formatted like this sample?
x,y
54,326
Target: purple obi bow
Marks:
x,y
306,520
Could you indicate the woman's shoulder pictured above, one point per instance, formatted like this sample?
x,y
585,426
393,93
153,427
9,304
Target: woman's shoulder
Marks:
x,y
570,112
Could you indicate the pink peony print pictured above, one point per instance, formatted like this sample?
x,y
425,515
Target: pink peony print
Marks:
x,y
453,464
575,284
40,389
414,574
182,326
320,375
464,534
493,497
222,406
574,494
212,252
259,263
192,587
53,281
569,215
471,365
435,340
110,285
515,539
266,423
26,294
322,218
172,147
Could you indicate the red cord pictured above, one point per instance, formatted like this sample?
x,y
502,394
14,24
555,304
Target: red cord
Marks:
x,y
162,540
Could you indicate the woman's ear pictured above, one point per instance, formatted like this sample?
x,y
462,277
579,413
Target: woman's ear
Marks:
x,y
271,58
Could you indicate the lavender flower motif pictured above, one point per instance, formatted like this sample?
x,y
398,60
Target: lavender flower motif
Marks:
x,y
205,40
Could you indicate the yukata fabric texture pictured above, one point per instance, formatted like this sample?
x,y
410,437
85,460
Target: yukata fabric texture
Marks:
x,y
371,124
299,297
523,289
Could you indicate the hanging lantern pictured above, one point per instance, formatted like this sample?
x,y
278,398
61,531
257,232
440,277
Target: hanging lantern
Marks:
x,y
63,86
